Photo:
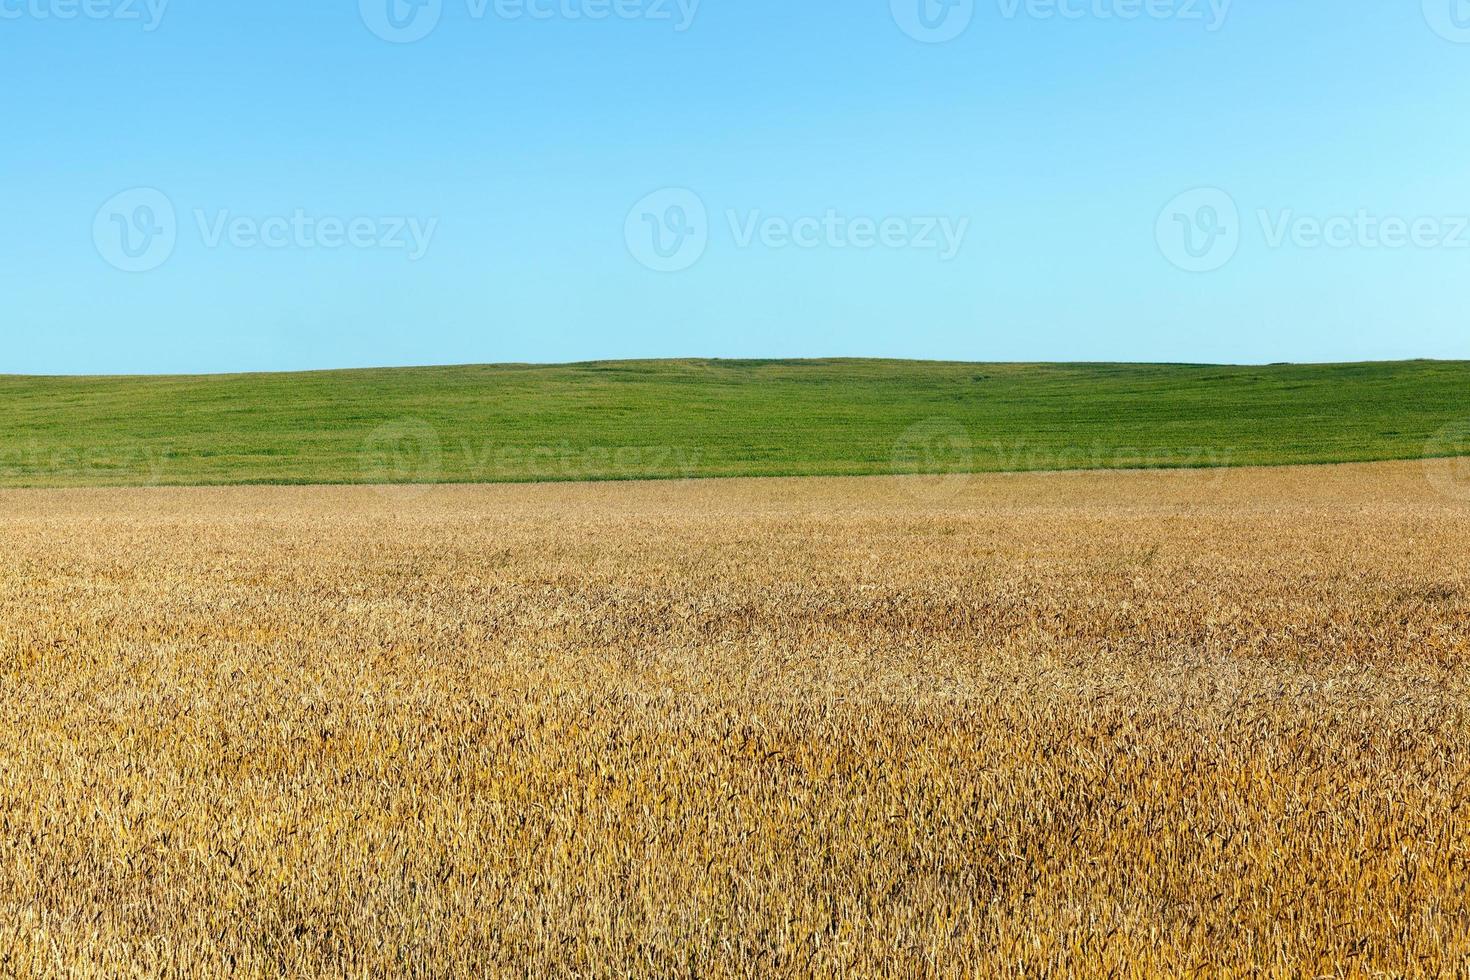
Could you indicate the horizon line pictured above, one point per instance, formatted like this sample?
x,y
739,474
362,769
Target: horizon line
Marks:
x,y
161,375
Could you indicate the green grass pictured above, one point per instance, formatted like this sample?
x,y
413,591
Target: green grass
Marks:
x,y
660,419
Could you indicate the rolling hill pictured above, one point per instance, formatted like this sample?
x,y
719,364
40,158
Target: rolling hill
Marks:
x,y
696,418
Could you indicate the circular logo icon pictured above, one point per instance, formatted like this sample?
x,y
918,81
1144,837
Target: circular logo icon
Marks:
x,y
668,230
136,231
1199,231
401,455
935,457
1447,461
1450,19
933,21
401,21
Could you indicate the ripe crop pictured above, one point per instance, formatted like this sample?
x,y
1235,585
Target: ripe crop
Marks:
x,y
1117,724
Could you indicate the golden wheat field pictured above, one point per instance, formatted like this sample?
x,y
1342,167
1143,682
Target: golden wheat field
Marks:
x,y
1118,724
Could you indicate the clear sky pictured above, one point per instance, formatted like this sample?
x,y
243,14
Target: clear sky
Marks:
x,y
194,185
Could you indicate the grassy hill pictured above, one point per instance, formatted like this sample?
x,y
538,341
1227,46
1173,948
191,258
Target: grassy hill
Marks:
x,y
623,420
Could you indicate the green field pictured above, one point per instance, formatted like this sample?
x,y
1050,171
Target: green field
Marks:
x,y
662,419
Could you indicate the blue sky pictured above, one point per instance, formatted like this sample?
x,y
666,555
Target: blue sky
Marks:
x,y
197,186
